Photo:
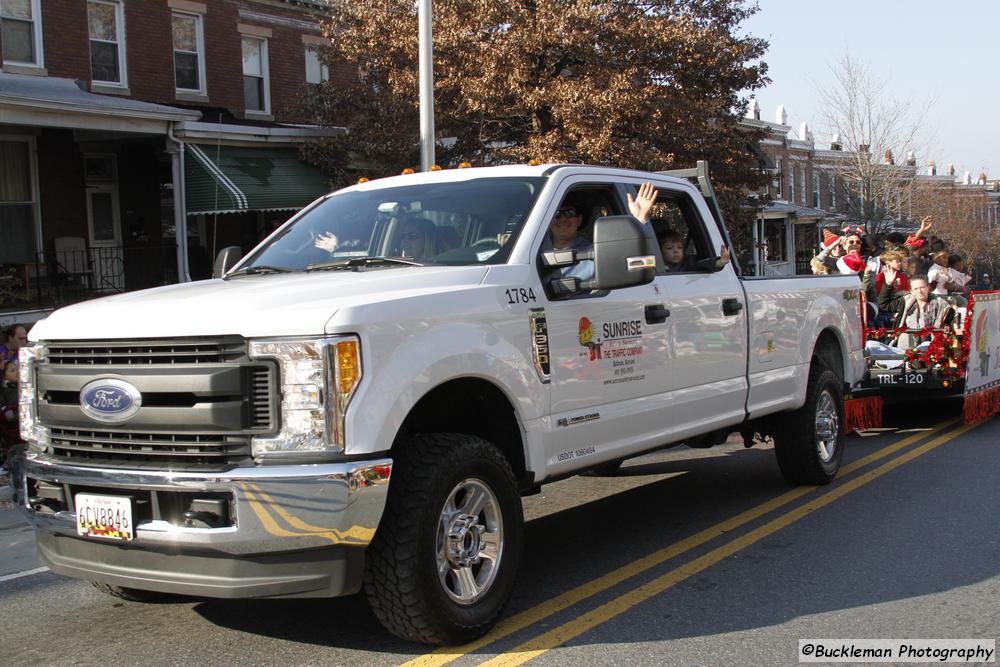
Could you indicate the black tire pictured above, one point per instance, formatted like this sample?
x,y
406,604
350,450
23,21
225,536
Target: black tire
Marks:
x,y
433,477
609,469
132,594
809,443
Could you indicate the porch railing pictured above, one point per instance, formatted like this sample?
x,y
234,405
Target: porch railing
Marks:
x,y
58,278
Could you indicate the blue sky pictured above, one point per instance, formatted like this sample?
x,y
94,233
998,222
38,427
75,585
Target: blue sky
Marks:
x,y
946,52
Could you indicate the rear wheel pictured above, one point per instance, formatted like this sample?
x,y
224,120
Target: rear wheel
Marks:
x,y
442,563
809,443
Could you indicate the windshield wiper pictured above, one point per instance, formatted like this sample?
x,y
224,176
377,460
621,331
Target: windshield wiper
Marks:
x,y
251,270
355,262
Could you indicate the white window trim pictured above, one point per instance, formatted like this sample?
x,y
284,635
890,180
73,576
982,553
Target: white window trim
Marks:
x,y
35,198
36,25
199,35
265,70
120,35
324,69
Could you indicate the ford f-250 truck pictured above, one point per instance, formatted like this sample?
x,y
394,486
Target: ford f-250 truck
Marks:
x,y
363,399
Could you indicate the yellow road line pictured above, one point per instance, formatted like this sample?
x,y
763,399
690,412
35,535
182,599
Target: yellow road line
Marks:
x,y
576,595
572,629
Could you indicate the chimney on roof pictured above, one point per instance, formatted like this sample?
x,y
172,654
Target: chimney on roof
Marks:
x,y
781,118
911,161
982,178
753,110
950,169
804,133
888,157
931,168
835,144
967,178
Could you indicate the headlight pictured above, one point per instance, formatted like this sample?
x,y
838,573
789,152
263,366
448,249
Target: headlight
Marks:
x,y
28,357
318,378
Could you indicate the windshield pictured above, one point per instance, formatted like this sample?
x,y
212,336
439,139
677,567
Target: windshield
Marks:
x,y
456,223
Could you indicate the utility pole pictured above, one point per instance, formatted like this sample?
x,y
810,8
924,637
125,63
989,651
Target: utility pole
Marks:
x,y
426,64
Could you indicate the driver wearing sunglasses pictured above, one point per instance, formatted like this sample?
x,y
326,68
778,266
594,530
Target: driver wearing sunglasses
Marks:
x,y
564,235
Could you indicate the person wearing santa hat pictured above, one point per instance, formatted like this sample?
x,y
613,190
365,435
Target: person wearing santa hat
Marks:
x,y
852,261
831,250
919,247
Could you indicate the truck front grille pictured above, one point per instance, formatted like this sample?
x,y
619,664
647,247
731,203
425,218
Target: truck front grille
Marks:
x,y
187,450
145,353
203,402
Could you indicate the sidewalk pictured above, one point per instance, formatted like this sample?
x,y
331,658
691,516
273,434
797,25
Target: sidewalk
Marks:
x,y
17,539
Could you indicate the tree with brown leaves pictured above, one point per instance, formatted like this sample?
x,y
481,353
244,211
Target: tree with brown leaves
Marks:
x,y
961,219
650,84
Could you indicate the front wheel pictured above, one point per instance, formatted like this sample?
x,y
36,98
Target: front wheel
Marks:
x,y
809,444
442,563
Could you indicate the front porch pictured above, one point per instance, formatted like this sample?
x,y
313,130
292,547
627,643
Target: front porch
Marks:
x,y
78,273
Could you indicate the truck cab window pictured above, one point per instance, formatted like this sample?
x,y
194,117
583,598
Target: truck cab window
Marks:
x,y
679,233
571,227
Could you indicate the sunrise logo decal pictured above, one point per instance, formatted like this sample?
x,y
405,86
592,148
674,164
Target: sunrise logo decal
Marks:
x,y
587,340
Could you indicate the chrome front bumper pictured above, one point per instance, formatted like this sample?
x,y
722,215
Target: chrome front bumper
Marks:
x,y
283,518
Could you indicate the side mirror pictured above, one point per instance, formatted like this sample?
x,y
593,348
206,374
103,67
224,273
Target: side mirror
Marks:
x,y
624,253
225,260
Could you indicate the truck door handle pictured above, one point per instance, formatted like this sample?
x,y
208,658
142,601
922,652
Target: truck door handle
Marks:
x,y
731,306
656,313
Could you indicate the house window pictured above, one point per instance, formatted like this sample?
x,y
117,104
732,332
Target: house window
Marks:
x,y
777,181
815,190
17,203
803,185
833,192
316,70
791,184
256,95
189,45
106,21
21,32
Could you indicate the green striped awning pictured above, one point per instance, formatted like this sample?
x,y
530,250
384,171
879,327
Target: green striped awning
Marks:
x,y
230,179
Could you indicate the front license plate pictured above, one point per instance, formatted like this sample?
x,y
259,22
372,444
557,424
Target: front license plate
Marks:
x,y
109,517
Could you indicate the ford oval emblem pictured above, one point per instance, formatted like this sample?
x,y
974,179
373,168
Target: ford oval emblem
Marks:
x,y
109,400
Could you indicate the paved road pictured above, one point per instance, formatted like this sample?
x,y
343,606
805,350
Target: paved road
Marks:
x,y
687,557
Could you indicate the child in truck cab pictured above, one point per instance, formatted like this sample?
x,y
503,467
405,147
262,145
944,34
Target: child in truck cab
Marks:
x,y
672,249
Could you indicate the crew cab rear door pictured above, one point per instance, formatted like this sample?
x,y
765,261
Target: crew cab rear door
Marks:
x,y
707,328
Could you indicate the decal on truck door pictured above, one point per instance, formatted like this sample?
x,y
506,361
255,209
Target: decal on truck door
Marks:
x,y
616,348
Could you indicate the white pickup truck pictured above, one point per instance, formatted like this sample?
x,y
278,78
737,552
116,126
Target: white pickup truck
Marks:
x,y
362,400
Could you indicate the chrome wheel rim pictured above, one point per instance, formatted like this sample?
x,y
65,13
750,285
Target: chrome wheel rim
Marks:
x,y
827,426
469,541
